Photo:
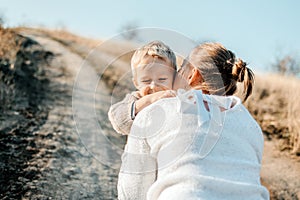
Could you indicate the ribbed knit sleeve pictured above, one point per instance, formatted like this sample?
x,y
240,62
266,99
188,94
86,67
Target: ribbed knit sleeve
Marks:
x,y
119,114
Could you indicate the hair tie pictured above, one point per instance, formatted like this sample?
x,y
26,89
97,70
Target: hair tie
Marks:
x,y
239,69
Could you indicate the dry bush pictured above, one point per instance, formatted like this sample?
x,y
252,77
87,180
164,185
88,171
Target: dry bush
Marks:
x,y
274,104
287,65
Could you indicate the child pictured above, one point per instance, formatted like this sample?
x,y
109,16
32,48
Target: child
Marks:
x,y
153,68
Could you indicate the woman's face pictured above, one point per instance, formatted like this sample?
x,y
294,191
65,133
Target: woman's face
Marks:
x,y
182,76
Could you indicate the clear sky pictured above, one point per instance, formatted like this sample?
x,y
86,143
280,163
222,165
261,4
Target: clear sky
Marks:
x,y
255,30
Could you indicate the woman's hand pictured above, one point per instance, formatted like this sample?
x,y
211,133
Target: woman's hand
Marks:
x,y
151,98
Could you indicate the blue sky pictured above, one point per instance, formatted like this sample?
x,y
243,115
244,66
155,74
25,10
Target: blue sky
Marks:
x,y
255,30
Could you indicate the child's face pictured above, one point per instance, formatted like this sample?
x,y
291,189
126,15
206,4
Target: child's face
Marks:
x,y
153,74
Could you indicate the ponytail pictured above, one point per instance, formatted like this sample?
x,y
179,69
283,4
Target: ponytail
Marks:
x,y
241,73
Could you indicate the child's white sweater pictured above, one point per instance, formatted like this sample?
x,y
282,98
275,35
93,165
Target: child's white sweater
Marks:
x,y
178,150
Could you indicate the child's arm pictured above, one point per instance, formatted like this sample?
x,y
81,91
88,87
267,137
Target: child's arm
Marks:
x,y
145,101
121,114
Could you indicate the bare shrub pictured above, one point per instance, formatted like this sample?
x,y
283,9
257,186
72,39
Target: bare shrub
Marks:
x,y
287,65
129,32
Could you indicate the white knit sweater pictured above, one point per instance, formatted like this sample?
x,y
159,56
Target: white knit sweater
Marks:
x,y
178,150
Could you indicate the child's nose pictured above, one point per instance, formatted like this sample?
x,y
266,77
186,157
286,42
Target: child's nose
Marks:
x,y
152,85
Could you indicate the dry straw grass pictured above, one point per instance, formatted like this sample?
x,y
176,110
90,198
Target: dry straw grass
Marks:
x,y
9,45
61,35
276,107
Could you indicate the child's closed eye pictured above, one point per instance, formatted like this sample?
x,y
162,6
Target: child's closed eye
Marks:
x,y
163,79
146,81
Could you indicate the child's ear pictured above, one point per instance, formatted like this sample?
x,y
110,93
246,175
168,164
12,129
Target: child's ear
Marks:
x,y
195,78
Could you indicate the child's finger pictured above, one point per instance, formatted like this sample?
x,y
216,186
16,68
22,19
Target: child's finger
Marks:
x,y
169,93
173,92
145,91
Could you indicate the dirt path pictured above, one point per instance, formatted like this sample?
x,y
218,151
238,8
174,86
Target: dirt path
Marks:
x,y
70,171
280,172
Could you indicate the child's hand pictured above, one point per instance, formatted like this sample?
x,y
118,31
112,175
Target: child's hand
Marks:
x,y
151,98
147,90
160,95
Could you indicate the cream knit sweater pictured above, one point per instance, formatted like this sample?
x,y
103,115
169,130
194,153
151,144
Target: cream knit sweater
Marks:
x,y
178,150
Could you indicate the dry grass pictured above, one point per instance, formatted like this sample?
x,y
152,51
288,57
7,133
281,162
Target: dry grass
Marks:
x,y
293,110
275,106
9,44
62,35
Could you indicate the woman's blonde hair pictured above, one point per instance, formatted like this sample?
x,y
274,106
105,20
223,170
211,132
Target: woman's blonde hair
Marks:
x,y
221,70
154,48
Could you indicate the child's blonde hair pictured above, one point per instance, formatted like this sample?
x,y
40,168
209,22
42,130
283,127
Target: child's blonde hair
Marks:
x,y
154,48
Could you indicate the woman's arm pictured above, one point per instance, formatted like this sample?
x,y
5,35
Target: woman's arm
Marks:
x,y
138,170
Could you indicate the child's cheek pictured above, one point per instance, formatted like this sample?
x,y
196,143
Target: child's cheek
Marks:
x,y
145,90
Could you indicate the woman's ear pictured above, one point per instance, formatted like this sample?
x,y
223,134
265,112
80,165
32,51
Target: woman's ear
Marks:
x,y
195,78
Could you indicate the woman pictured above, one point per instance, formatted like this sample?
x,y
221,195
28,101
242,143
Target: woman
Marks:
x,y
203,144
